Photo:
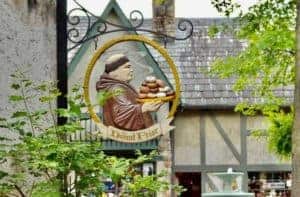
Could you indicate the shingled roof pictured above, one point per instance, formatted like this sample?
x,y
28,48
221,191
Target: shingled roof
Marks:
x,y
196,54
199,51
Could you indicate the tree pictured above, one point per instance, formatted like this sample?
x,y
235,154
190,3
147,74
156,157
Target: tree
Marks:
x,y
42,154
296,129
266,65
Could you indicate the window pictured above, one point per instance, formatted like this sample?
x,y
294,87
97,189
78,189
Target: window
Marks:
x,y
273,184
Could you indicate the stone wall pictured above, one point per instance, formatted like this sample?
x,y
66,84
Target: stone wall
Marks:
x,y
27,37
27,40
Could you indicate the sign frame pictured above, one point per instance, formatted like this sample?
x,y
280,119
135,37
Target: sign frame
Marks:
x,y
140,135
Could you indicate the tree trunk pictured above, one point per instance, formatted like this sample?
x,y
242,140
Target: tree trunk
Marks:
x,y
296,129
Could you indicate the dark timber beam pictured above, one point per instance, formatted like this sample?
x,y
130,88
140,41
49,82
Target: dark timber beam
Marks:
x,y
223,168
244,134
61,54
202,151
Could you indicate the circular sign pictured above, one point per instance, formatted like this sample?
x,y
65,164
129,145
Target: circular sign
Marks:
x,y
90,67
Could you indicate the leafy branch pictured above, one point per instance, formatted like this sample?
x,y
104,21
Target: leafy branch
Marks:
x,y
47,158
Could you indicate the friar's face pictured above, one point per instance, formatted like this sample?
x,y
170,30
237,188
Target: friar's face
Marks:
x,y
123,73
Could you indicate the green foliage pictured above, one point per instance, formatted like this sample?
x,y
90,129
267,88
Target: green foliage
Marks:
x,y
103,96
280,134
145,186
160,2
225,6
266,64
44,151
213,30
46,189
268,60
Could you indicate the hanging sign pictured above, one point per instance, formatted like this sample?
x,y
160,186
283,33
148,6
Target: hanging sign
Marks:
x,y
126,111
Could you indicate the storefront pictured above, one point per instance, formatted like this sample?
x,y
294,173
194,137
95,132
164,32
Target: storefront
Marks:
x,y
191,182
270,183
209,136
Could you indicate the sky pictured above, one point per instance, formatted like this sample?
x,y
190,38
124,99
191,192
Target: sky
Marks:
x,y
183,8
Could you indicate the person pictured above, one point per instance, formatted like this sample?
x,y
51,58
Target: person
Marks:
x,y
122,110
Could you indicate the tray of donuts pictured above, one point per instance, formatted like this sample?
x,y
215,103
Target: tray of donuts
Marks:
x,y
155,90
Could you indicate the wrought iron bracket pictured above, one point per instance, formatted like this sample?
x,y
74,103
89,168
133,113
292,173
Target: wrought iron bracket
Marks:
x,y
136,19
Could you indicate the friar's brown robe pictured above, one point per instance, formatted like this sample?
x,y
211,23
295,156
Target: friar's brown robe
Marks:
x,y
122,111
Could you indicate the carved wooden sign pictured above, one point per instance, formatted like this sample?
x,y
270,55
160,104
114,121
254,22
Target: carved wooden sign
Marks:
x,y
126,111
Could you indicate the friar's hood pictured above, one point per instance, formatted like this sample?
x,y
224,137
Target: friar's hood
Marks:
x,y
106,82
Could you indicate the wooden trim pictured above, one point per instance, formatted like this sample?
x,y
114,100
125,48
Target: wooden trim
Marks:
x,y
243,138
202,151
207,168
187,168
269,167
223,168
172,136
203,181
202,141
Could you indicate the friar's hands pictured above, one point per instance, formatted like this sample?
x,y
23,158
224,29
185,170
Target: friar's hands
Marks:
x,y
151,106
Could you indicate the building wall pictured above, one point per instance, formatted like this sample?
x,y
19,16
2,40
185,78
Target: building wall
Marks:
x,y
187,139
258,152
217,151
213,141
27,37
222,132
27,41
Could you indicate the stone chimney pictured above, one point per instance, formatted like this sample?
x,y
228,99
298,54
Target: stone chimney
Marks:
x,y
164,16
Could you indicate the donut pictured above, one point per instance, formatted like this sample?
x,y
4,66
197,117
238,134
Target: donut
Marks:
x,y
153,90
144,83
170,93
161,89
161,94
160,83
164,89
144,89
151,95
142,96
167,89
150,79
152,85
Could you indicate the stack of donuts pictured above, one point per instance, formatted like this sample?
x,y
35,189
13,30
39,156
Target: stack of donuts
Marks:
x,y
154,88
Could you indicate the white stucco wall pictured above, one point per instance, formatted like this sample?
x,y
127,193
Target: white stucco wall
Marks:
x,y
187,139
217,151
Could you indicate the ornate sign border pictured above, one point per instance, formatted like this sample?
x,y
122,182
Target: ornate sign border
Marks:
x,y
133,136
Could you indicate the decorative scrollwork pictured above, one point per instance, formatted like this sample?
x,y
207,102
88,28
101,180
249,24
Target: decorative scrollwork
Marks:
x,y
136,15
75,20
97,26
185,25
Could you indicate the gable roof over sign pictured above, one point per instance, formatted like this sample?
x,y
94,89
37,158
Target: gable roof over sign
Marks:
x,y
199,51
112,7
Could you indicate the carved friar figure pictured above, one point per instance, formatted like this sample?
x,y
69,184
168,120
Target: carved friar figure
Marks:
x,y
122,110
